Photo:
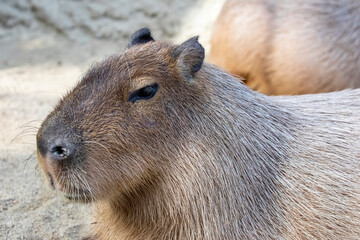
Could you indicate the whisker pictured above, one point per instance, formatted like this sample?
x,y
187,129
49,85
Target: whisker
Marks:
x,y
37,180
85,186
31,156
98,144
26,128
22,135
83,180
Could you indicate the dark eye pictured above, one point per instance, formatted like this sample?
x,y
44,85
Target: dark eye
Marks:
x,y
144,93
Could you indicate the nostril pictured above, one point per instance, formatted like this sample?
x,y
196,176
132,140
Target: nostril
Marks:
x,y
60,151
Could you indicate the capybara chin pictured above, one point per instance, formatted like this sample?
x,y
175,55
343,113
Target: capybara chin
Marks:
x,y
169,147
287,47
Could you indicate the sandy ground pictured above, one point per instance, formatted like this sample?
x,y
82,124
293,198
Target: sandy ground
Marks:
x,y
38,64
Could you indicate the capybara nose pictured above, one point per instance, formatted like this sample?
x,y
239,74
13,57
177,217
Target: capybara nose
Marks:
x,y
56,149
61,149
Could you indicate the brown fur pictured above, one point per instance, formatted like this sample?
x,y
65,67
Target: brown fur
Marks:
x,y
290,47
206,157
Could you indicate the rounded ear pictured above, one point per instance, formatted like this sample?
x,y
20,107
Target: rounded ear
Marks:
x,y
141,36
190,55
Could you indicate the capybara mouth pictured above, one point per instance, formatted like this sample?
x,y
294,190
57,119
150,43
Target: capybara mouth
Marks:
x,y
79,196
70,192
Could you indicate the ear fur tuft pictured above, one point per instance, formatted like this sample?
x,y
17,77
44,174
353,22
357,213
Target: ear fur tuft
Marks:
x,y
190,56
141,36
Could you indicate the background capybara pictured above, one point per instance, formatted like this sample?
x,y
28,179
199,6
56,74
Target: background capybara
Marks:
x,y
290,47
169,147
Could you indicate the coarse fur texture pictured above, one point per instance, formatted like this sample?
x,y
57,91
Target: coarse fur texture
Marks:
x,y
290,47
206,157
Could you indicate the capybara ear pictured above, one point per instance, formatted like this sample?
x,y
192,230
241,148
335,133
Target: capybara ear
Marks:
x,y
190,55
141,36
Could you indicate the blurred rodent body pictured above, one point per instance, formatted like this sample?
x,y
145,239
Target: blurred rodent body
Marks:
x,y
290,47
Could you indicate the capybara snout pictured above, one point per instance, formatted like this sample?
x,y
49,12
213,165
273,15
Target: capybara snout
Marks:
x,y
58,149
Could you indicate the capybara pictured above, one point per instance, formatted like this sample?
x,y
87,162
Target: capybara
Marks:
x,y
290,47
169,147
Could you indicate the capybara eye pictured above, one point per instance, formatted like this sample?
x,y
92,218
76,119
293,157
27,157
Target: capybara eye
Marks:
x,y
144,93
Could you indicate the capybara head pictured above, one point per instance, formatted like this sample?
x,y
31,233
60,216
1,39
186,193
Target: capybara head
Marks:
x,y
117,129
